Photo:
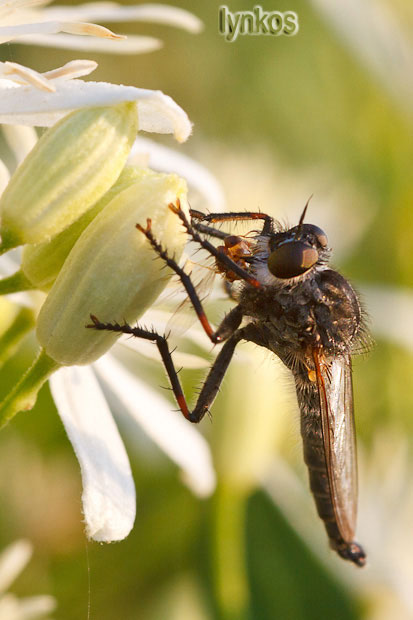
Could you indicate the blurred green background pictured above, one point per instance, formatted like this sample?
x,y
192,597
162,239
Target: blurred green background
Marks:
x,y
275,119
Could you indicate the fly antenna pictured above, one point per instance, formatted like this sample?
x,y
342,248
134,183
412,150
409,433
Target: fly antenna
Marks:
x,y
300,223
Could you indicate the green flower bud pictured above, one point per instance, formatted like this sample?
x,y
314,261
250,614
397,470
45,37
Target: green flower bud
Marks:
x,y
70,168
111,271
42,262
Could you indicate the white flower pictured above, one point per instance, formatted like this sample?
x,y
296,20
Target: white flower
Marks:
x,y
108,489
204,186
39,104
34,23
13,559
40,99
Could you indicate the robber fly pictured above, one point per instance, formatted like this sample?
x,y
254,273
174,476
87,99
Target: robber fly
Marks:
x,y
293,304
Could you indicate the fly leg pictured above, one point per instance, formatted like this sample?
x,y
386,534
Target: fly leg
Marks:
x,y
233,318
230,265
217,372
232,217
207,230
213,381
236,248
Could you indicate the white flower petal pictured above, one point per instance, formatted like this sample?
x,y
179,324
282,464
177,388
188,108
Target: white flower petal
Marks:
x,y
10,262
165,159
86,29
12,561
113,12
20,74
25,75
4,176
391,310
158,319
150,351
8,265
29,106
9,33
134,44
21,139
71,70
13,7
34,607
28,608
177,437
109,501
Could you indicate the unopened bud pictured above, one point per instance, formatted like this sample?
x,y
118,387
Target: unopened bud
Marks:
x,y
42,262
70,168
111,271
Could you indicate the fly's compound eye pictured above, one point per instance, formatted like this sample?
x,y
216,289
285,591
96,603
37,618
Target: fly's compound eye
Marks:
x,y
292,259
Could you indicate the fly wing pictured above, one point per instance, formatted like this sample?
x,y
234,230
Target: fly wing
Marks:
x,y
202,276
336,405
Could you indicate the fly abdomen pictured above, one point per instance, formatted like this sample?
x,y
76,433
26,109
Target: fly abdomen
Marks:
x,y
320,489
316,460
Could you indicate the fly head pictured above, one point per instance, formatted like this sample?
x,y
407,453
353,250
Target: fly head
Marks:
x,y
294,252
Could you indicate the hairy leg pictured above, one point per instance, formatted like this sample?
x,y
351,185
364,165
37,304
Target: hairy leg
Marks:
x,y
213,381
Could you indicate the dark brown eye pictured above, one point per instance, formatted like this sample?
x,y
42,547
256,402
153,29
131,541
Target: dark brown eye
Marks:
x,y
292,259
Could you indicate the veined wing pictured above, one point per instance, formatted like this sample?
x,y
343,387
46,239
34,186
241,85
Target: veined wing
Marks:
x,y
336,405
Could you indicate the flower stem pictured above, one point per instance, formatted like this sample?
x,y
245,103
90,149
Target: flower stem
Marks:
x,y
231,586
8,241
15,283
11,338
24,395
